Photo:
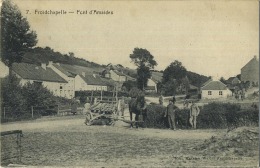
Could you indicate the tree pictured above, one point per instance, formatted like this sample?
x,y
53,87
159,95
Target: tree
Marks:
x,y
174,71
174,76
222,79
145,62
16,36
128,85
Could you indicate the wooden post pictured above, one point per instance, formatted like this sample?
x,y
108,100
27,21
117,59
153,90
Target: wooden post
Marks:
x,y
116,93
4,112
19,146
32,111
91,96
58,112
101,94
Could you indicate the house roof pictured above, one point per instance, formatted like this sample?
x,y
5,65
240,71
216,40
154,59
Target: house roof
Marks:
x,y
130,78
231,79
77,70
66,72
253,61
91,80
34,72
118,73
205,83
192,87
214,85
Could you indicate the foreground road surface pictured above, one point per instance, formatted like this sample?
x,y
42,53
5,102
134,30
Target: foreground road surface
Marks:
x,y
69,142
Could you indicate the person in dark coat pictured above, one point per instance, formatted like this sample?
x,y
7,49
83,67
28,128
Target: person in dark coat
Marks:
x,y
170,114
74,106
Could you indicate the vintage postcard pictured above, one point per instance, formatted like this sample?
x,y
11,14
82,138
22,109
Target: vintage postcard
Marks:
x,y
129,83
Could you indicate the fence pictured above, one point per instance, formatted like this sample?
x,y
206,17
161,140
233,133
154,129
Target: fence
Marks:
x,y
66,110
8,152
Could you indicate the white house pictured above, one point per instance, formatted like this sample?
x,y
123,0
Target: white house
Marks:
x,y
69,88
151,85
117,76
89,82
215,90
41,75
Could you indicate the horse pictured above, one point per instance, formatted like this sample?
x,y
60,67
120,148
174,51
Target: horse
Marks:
x,y
138,107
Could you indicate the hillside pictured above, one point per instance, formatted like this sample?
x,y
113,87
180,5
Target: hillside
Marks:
x,y
44,55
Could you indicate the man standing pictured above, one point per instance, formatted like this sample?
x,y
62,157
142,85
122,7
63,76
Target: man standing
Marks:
x,y
194,112
170,113
122,104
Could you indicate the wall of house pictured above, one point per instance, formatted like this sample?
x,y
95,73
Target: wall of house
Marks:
x,y
150,82
215,94
95,87
4,70
56,88
81,85
69,88
250,72
116,77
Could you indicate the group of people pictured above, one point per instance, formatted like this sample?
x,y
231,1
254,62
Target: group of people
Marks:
x,y
240,94
170,113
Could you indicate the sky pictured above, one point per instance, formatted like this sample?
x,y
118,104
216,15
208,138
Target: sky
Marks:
x,y
213,38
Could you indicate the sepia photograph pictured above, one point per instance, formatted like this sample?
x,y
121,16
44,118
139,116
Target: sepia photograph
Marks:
x,y
137,83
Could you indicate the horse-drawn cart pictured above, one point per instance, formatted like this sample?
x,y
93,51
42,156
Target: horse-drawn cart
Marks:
x,y
105,113
102,114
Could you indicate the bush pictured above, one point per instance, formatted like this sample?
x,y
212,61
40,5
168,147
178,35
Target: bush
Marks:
x,y
18,99
155,116
156,119
213,115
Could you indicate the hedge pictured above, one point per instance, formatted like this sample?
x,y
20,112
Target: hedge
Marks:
x,y
213,115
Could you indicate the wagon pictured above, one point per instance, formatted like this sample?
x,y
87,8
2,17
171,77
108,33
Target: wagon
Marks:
x,y
101,114
104,113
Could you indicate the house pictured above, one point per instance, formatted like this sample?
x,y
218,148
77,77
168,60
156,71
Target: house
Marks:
x,y
69,88
151,85
215,90
117,76
89,82
4,70
233,81
193,89
250,72
41,75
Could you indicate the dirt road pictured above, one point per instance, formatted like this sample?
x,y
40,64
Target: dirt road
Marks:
x,y
69,142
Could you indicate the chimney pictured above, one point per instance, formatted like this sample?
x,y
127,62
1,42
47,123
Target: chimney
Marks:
x,y
50,62
58,64
43,65
94,75
254,56
83,74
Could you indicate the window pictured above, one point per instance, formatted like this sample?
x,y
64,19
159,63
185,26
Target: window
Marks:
x,y
60,87
220,93
209,92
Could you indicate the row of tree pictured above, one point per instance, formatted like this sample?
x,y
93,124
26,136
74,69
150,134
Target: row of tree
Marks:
x,y
175,77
